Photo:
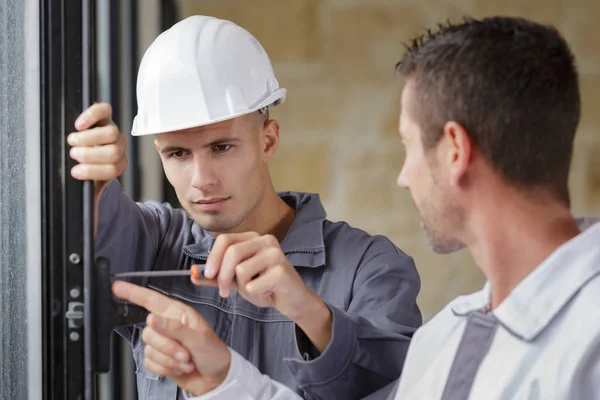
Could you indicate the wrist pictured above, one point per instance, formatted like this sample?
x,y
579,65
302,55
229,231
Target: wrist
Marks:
x,y
316,321
206,383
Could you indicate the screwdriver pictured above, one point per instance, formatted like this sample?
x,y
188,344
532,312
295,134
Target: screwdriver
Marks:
x,y
194,271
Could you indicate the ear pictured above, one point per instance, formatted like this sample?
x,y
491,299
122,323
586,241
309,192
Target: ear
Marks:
x,y
270,139
460,148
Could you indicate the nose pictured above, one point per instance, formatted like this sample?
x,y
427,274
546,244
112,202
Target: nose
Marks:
x,y
402,180
205,173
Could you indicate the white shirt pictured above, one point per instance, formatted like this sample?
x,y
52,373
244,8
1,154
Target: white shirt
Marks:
x,y
547,344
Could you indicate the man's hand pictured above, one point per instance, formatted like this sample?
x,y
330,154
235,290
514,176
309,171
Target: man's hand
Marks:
x,y
99,147
179,342
265,277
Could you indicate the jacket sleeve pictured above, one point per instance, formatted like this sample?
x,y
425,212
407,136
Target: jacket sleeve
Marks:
x,y
130,234
370,340
245,382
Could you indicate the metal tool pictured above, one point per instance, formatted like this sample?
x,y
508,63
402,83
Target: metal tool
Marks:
x,y
195,272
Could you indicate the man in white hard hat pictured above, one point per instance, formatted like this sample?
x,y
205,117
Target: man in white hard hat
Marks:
x,y
487,163
324,308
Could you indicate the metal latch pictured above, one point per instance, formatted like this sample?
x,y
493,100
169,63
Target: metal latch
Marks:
x,y
75,314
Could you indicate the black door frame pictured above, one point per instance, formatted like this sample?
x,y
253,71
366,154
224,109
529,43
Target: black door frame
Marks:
x,y
68,79
62,206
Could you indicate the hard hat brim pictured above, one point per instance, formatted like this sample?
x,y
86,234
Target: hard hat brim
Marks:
x,y
276,98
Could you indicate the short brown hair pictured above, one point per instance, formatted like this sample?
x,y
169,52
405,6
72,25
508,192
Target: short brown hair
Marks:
x,y
512,84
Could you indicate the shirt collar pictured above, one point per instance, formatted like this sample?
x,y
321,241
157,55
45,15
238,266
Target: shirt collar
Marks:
x,y
539,298
304,243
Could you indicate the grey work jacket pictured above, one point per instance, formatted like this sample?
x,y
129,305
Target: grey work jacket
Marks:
x,y
368,283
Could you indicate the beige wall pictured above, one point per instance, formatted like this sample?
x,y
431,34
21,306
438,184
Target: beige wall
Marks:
x,y
339,123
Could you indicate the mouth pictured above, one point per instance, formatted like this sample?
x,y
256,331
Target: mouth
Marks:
x,y
213,205
211,201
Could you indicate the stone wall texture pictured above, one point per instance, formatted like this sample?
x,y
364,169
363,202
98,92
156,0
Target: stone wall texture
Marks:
x,y
336,58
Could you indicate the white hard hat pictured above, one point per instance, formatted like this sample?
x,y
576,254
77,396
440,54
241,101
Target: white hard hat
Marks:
x,y
200,71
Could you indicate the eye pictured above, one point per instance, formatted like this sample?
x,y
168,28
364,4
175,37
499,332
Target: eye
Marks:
x,y
221,148
178,154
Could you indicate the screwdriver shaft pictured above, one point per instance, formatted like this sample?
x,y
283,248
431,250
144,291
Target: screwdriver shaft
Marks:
x,y
195,271
151,273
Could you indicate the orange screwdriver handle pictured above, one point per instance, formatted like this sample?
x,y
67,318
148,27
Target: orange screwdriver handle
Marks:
x,y
195,272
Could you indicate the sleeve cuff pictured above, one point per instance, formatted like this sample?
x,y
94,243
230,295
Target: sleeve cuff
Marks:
x,y
245,382
336,357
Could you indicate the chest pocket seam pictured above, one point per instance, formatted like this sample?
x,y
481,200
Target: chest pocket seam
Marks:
x,y
268,315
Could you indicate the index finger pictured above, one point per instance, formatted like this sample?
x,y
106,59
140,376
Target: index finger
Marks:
x,y
222,242
94,114
150,299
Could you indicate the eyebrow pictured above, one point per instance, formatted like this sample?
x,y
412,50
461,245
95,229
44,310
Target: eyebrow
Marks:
x,y
172,149
225,140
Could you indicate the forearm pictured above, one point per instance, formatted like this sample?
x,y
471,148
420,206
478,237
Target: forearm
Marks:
x,y
99,187
370,338
127,233
359,360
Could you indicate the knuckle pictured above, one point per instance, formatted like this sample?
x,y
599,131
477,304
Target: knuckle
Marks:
x,y
113,133
274,253
171,349
114,153
240,270
234,251
221,240
172,365
105,108
271,240
227,240
148,351
279,271
186,312
178,324
250,288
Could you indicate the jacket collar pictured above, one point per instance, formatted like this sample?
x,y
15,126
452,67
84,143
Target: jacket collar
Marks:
x,y
304,243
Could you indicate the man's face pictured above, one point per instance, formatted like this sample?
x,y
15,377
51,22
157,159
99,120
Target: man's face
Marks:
x,y
219,171
425,175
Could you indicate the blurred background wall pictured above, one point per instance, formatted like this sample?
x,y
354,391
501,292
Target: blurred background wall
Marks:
x,y
339,122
